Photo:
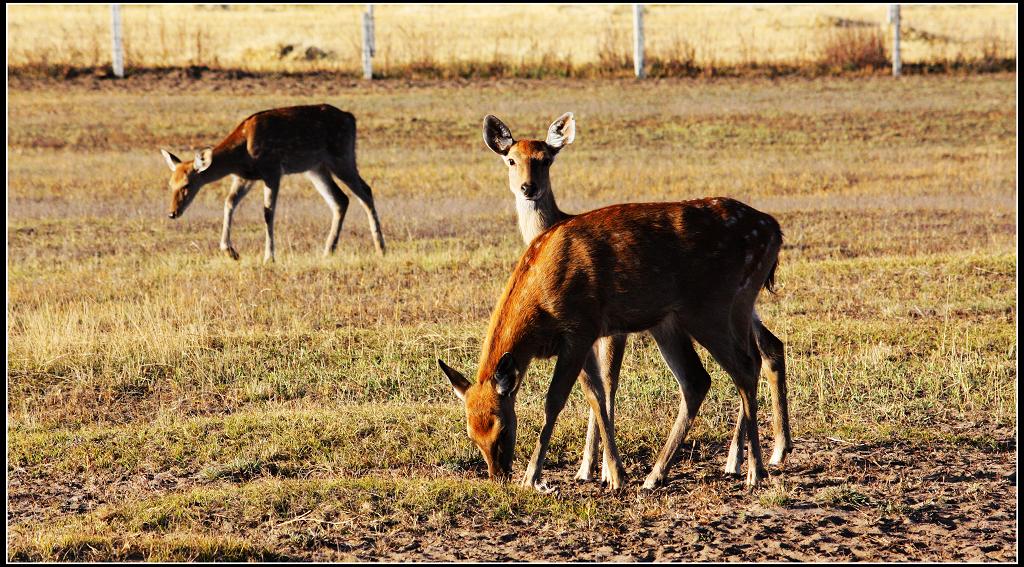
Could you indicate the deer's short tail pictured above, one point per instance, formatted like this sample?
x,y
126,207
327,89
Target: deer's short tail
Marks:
x,y
769,282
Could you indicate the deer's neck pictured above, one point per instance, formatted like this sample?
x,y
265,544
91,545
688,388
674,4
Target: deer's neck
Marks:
x,y
518,324
228,159
537,216
514,333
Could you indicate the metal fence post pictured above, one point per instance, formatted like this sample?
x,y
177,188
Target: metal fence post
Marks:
x,y
894,19
368,42
117,56
638,41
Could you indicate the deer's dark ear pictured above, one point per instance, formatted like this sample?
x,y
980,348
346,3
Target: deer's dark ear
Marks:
x,y
459,382
505,374
171,159
562,131
497,136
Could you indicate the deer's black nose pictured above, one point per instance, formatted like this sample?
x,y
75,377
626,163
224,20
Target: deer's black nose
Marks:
x,y
170,215
529,190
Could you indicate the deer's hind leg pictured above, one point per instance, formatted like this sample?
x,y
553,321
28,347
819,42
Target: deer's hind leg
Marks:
x,y
336,200
346,170
592,442
773,363
734,346
676,348
734,460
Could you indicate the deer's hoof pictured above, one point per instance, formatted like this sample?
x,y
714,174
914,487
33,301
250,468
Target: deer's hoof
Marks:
x,y
755,477
230,251
653,481
779,456
617,481
583,476
543,487
732,464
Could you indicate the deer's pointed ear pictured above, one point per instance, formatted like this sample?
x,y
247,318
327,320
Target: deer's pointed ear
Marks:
x,y
203,159
171,159
505,374
497,136
562,131
459,382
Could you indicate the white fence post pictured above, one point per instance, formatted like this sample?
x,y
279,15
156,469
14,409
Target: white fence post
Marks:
x,y
368,42
117,57
638,41
894,19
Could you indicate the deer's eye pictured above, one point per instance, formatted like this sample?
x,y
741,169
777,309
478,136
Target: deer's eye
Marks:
x,y
511,162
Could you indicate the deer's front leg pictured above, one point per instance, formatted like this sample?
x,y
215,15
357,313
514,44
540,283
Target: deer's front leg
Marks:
x,y
568,367
272,182
608,352
239,188
596,393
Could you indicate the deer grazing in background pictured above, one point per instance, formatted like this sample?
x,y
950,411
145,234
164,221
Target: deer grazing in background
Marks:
x,y
683,271
318,140
529,162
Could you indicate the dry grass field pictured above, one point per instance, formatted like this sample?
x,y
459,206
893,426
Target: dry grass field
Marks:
x,y
166,402
548,39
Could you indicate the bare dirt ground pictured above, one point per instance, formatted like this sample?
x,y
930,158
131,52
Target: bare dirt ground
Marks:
x,y
959,502
840,501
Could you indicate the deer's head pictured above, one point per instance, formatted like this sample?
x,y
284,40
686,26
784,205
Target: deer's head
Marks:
x,y
490,413
185,181
529,161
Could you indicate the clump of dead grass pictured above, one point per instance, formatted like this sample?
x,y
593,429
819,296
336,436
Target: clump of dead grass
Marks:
x,y
854,49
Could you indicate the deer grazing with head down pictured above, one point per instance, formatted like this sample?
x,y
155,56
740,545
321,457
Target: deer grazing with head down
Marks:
x,y
529,162
318,140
